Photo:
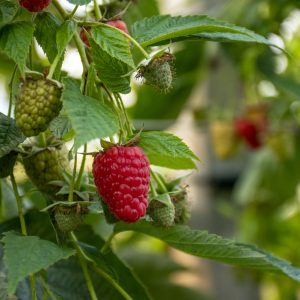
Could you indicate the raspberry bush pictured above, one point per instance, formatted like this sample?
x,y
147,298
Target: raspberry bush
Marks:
x,y
77,197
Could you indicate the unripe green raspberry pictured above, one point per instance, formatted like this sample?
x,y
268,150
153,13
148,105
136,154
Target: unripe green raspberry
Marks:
x,y
68,218
159,72
182,208
45,166
38,104
161,214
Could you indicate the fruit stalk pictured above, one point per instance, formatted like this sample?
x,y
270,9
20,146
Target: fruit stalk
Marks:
x,y
72,183
97,10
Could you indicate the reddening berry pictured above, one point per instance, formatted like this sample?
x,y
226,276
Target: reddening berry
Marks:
x,y
248,132
34,5
83,35
118,24
122,176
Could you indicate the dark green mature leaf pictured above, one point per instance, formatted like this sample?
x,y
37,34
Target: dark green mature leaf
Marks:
x,y
15,41
114,43
24,255
64,35
7,163
8,10
211,246
46,28
167,150
90,118
112,72
80,2
10,135
165,29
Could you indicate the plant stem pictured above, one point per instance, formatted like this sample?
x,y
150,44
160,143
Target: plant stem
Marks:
x,y
78,181
47,289
23,228
42,140
97,11
113,283
107,243
59,8
71,15
153,189
11,90
83,264
81,50
122,108
54,65
160,184
72,183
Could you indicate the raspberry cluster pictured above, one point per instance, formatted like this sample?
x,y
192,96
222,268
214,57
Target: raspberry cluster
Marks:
x,y
122,176
37,105
34,5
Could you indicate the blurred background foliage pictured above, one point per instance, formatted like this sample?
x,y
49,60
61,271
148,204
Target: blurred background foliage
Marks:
x,y
255,191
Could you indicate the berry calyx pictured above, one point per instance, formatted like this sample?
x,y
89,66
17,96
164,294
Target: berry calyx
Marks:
x,y
35,5
159,72
122,176
38,104
161,214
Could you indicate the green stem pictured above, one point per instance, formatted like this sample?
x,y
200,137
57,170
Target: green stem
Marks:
x,y
97,11
113,283
59,8
72,183
81,50
83,264
122,107
11,90
42,140
23,228
47,289
71,15
54,65
160,184
78,181
107,243
153,189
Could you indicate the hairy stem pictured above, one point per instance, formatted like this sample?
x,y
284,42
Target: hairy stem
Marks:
x,y
23,228
72,183
97,11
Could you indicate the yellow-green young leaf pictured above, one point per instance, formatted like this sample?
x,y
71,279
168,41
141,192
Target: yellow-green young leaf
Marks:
x,y
166,29
167,150
10,135
114,43
15,41
90,117
114,73
8,10
25,255
202,244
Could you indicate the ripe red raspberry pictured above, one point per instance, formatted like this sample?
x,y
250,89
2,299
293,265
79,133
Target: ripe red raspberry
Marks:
x,y
249,132
122,176
118,24
34,5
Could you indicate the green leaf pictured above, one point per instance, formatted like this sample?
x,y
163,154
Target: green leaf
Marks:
x,y
25,255
7,163
79,2
60,126
113,73
15,41
46,28
211,246
64,35
8,11
167,150
10,135
165,29
114,43
90,118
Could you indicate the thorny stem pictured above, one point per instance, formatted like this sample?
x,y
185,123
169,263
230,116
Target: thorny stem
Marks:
x,y
97,11
23,227
72,183
11,90
107,243
160,184
82,260
78,181
113,283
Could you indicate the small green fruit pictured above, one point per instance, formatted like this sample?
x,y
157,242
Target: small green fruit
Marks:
x,y
182,208
161,214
